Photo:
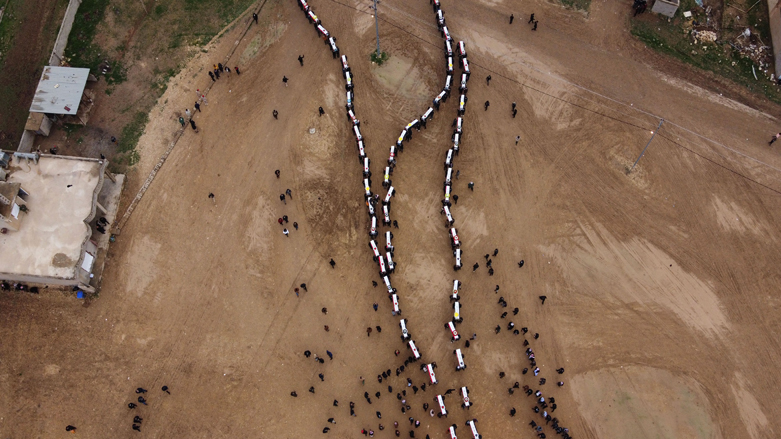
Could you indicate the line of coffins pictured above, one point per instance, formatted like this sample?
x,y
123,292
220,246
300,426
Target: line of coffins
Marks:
x,y
385,262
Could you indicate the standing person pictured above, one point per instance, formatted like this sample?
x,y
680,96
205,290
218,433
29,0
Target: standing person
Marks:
x,y
282,198
181,121
219,66
197,107
236,68
486,105
514,112
286,232
511,18
216,73
275,113
187,112
284,79
227,70
776,137
321,111
255,17
455,199
289,193
517,139
543,299
205,101
276,173
535,25
531,18
303,287
301,60
295,225
333,263
488,80
471,186
192,124
211,75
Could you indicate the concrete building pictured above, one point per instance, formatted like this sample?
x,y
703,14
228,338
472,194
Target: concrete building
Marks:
x,y
666,7
49,211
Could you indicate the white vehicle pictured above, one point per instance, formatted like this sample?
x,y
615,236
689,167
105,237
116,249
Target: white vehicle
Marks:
x,y
370,205
463,88
456,286
348,79
449,65
449,159
429,368
345,66
373,228
388,244
386,181
428,115
392,157
457,254
367,188
455,242
386,215
312,17
473,425
405,335
448,48
391,290
452,431
361,150
465,66
321,30
447,195
332,45
366,172
350,97
414,349
448,82
448,215
395,301
456,141
441,402
465,395
383,268
459,360
402,136
388,196
353,119
457,313
448,176
453,332
391,264
446,34
374,249
461,49
440,18
357,131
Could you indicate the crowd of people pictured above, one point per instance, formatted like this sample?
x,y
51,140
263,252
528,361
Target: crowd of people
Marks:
x,y
385,262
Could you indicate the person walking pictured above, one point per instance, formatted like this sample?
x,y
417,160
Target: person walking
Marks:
x,y
296,291
486,105
535,25
303,287
776,137
198,107
475,267
236,68
330,354
395,224
70,428
255,17
320,110
275,113
455,199
512,17
289,193
488,80
301,60
295,225
211,75
192,124
324,310
136,427
531,18
543,299
181,121
282,198
286,232
204,100
333,263
471,186
284,79
517,138
187,112
514,112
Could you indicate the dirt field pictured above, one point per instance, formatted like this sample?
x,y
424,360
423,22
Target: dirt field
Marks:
x,y
662,286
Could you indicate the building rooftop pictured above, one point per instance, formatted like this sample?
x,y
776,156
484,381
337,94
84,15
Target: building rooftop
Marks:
x,y
59,90
62,195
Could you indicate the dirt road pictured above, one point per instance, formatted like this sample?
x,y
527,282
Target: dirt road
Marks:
x,y
662,294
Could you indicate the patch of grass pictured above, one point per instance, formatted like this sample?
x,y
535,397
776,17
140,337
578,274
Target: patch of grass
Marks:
x,y
71,128
160,10
83,51
8,28
582,5
126,145
671,38
379,59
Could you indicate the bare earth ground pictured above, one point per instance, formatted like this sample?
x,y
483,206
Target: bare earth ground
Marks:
x,y
662,287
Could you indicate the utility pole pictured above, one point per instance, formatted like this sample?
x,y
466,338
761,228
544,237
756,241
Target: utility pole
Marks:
x,y
661,121
377,28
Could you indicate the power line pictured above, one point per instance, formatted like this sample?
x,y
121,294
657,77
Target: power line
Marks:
x,y
493,72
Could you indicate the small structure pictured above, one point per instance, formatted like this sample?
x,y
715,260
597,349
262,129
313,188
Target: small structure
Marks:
x,y
774,12
666,7
50,205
